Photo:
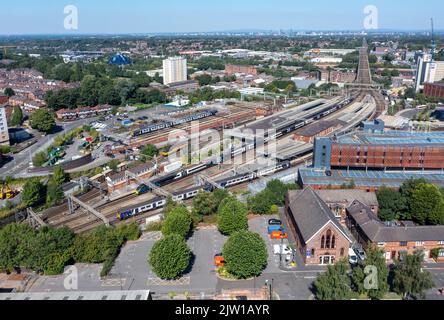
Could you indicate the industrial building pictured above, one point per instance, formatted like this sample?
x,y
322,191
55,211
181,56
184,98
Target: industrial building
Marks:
x,y
434,90
4,133
387,150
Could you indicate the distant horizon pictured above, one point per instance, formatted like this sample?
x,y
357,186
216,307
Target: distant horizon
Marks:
x,y
47,17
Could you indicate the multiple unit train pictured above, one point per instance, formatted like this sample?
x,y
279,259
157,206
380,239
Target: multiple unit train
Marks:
x,y
159,202
170,124
311,117
174,176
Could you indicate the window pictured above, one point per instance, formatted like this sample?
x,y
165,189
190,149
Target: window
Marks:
x,y
441,242
312,252
419,243
403,243
441,253
323,242
342,252
381,244
328,241
333,242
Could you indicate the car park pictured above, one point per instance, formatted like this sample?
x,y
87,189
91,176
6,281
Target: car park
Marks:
x,y
352,257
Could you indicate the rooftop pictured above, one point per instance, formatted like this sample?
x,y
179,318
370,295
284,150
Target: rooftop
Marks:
x,y
361,178
393,138
377,231
79,295
311,213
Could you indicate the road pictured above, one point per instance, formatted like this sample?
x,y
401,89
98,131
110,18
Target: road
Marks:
x,y
19,165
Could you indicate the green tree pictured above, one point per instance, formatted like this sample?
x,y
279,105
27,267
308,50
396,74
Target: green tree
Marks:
x,y
33,193
170,257
43,120
335,284
40,159
12,239
150,151
245,254
114,165
17,116
375,257
427,204
178,222
392,205
203,204
232,216
409,278
59,176
9,92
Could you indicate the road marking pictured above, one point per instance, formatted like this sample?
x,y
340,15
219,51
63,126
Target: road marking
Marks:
x,y
160,282
113,282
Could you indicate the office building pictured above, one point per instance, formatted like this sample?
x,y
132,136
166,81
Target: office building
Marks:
x,y
174,70
428,71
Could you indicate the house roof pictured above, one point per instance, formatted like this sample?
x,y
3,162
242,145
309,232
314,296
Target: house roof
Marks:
x,y
311,214
377,231
348,196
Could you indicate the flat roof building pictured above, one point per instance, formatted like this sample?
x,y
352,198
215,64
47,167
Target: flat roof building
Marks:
x,y
174,70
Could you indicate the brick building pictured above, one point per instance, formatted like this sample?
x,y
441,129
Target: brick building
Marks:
x,y
231,69
394,240
434,90
318,129
339,200
381,150
124,178
319,237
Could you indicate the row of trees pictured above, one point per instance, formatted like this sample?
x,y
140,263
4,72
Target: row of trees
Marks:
x,y
269,200
49,250
373,279
95,90
416,200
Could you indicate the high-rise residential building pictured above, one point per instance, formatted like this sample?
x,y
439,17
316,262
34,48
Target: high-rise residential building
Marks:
x,y
174,70
4,134
428,71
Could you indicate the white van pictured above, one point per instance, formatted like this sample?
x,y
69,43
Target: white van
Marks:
x,y
352,257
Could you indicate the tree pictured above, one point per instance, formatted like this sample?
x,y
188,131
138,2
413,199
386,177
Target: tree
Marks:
x,y
392,205
114,165
40,159
335,284
9,92
245,254
17,116
427,204
170,257
375,257
232,216
150,151
43,120
409,279
33,193
203,204
54,193
178,222
59,176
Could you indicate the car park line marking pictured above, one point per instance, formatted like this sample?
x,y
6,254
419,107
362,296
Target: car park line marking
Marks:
x,y
159,282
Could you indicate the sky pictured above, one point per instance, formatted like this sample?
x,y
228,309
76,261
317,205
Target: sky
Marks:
x,y
155,16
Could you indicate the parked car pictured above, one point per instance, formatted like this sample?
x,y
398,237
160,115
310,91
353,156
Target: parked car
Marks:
x,y
279,235
274,222
274,227
360,253
219,260
352,257
282,249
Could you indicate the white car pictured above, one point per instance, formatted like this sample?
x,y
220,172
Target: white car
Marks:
x,y
284,250
352,257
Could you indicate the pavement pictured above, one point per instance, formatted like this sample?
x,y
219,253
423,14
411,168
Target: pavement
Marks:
x,y
131,270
